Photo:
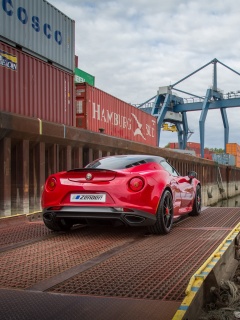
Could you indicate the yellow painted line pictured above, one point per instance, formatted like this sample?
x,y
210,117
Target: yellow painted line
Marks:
x,y
21,215
35,212
197,279
13,216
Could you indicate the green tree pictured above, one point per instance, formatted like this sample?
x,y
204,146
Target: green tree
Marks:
x,y
216,150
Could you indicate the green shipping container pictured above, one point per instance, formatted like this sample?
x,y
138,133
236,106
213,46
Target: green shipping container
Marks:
x,y
82,76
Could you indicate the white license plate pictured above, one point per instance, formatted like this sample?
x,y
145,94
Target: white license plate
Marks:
x,y
100,197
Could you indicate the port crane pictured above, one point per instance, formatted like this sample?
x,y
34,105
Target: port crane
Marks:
x,y
169,107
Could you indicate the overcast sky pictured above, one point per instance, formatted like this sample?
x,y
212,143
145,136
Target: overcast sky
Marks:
x,y
132,47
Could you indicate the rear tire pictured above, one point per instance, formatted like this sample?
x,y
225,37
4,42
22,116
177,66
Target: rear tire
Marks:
x,y
58,224
164,215
197,204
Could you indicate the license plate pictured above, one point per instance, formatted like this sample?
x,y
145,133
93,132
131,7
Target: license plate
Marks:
x,y
100,197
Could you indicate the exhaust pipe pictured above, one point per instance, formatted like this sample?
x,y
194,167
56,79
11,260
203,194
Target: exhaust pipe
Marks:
x,y
134,219
49,216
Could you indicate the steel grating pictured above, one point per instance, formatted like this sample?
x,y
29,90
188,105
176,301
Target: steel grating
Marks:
x,y
22,232
25,266
113,262
213,218
45,306
157,268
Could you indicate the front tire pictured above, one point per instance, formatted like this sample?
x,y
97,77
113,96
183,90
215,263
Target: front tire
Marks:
x,y
164,215
197,204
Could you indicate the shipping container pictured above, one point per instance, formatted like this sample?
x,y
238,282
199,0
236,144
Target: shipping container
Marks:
x,y
234,149
193,148
224,158
193,145
99,111
82,76
33,88
39,27
173,145
208,156
237,161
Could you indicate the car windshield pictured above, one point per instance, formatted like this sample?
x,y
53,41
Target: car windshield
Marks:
x,y
122,162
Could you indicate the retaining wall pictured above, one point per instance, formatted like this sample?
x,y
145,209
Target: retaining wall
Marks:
x,y
31,149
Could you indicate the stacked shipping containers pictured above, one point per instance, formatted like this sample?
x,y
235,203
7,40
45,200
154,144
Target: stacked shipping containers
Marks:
x,y
231,157
37,61
194,147
101,112
208,154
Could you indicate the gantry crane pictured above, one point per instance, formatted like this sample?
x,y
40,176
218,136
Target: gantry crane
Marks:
x,y
168,107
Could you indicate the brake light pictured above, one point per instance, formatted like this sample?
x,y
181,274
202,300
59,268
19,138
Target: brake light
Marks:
x,y
51,184
136,184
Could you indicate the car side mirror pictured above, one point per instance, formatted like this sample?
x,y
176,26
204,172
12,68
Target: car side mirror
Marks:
x,y
192,174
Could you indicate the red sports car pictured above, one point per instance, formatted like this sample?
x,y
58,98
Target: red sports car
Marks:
x,y
135,190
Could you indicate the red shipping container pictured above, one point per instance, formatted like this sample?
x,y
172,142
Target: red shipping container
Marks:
x,y
172,145
193,145
99,111
33,88
208,156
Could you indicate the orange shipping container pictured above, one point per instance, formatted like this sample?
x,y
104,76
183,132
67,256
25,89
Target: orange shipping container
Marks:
x,y
99,111
233,148
237,160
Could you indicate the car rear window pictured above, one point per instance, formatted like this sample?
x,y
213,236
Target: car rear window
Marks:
x,y
122,162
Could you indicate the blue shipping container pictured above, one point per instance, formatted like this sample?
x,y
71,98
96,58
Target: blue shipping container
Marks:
x,y
224,158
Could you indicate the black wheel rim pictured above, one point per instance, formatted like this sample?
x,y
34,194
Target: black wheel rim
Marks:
x,y
167,211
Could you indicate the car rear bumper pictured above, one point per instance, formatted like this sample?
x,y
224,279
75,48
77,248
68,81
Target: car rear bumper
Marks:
x,y
90,215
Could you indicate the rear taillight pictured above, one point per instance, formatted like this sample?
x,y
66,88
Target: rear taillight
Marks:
x,y
136,184
51,184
